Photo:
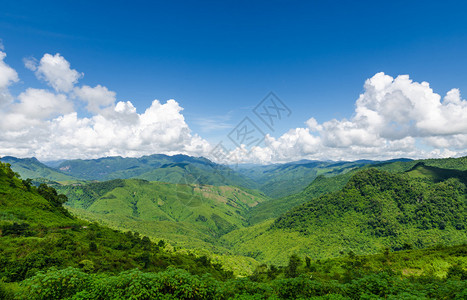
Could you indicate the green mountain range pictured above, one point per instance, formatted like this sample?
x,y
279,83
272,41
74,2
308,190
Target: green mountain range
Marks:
x,y
274,181
319,246
375,209
281,180
34,169
325,183
234,221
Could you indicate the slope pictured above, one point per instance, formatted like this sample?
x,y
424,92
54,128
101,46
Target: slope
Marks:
x,y
329,183
32,168
186,215
375,209
38,233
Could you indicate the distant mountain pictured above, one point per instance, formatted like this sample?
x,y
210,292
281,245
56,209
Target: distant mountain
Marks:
x,y
279,180
157,167
417,208
53,163
275,181
32,168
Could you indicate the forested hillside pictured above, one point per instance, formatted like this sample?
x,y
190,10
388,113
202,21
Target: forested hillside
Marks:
x,y
192,216
38,233
433,169
46,253
34,169
375,209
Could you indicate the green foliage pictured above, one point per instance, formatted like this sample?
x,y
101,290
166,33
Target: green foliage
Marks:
x,y
45,253
294,263
133,284
185,215
375,209
84,195
16,229
38,233
32,168
50,194
326,282
55,284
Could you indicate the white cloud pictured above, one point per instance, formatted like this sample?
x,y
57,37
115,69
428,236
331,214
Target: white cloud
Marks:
x,y
213,123
41,104
30,63
7,77
97,98
394,117
44,123
122,131
56,71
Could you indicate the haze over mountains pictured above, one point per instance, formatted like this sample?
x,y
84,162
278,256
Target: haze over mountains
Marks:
x,y
274,180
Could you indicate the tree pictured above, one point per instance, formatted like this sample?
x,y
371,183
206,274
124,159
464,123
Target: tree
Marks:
x,y
294,263
51,195
92,247
308,262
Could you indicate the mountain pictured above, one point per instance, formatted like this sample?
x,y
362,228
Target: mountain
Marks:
x,y
32,168
280,180
158,167
38,233
46,253
277,206
187,215
326,182
275,181
375,209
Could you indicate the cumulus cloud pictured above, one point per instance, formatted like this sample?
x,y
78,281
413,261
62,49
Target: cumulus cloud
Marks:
x,y
45,124
56,71
122,131
41,104
394,117
7,77
97,97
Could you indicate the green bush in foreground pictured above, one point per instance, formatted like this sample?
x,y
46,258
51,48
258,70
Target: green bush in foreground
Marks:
x,y
72,283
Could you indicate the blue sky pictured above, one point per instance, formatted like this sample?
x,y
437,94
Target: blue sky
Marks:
x,y
218,59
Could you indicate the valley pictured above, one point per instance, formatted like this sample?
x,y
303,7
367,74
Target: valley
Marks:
x,y
223,220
